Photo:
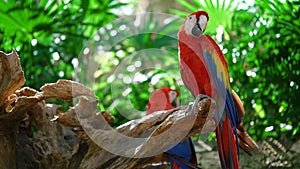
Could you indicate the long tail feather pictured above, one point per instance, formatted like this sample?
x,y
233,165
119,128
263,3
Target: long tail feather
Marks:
x,y
227,144
227,135
245,141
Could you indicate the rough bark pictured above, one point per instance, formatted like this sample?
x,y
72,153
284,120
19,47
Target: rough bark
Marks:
x,y
12,78
39,135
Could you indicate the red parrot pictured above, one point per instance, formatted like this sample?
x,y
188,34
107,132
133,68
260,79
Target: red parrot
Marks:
x,y
204,70
165,99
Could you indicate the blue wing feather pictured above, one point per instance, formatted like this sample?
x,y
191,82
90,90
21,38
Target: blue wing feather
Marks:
x,y
220,82
230,108
184,150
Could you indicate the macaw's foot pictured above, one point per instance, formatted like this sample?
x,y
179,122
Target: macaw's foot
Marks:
x,y
204,108
197,103
201,97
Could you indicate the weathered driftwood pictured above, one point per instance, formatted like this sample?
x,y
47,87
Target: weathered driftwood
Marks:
x,y
11,78
34,134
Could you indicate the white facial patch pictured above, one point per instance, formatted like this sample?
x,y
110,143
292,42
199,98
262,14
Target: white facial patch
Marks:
x,y
189,24
202,22
172,96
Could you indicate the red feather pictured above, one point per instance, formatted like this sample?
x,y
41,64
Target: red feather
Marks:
x,y
226,142
160,100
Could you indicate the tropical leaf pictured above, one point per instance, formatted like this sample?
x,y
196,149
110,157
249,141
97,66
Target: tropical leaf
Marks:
x,y
220,12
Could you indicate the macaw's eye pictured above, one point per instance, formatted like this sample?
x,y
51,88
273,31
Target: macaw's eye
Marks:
x,y
172,93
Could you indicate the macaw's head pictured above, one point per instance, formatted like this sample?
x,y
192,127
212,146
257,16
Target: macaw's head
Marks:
x,y
163,99
195,23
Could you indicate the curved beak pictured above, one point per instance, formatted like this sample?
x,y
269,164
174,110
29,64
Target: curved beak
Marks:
x,y
196,30
175,103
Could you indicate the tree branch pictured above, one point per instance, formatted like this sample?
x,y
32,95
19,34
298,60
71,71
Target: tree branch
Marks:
x,y
46,137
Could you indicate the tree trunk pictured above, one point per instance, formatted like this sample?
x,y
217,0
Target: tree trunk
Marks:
x,y
12,78
7,150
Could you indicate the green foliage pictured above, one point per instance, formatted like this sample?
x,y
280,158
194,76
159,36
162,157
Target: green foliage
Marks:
x,y
260,41
131,63
220,12
49,34
271,56
261,44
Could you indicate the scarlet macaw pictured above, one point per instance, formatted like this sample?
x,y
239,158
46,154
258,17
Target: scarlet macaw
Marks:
x,y
204,70
165,99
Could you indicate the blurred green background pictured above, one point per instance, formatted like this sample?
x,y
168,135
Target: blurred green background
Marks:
x,y
260,39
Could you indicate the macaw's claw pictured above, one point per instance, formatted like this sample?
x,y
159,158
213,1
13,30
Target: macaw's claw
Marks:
x,y
201,97
195,106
